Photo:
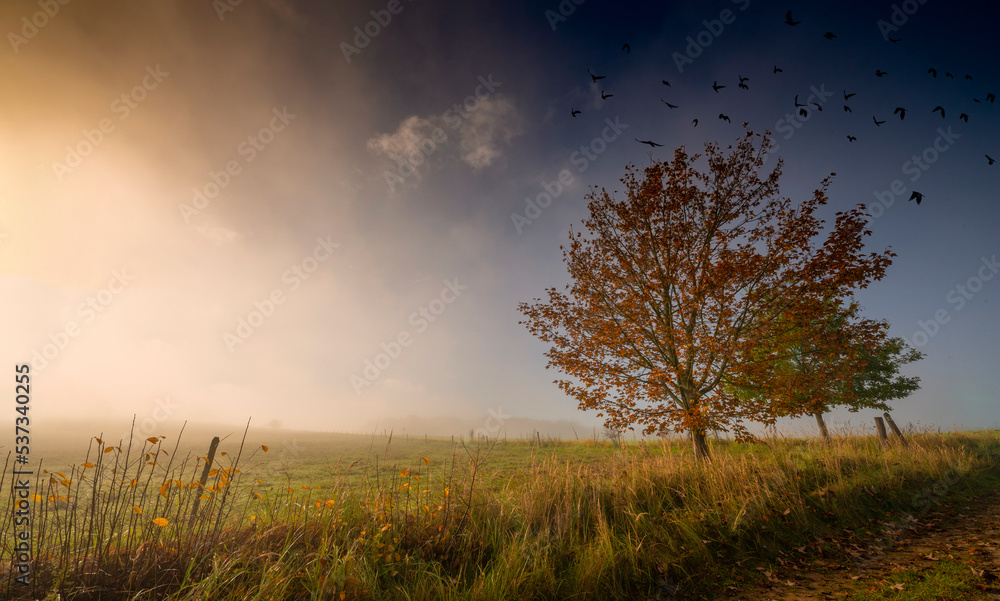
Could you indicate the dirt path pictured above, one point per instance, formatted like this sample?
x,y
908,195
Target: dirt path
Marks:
x,y
967,533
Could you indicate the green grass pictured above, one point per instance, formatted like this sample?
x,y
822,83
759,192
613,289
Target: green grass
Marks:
x,y
356,517
946,579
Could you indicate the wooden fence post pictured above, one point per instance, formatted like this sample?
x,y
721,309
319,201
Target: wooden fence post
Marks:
x,y
203,480
880,426
895,430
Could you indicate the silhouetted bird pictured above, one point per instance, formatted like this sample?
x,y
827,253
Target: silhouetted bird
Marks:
x,y
605,96
673,106
574,112
969,77
804,113
716,86
788,19
648,142
665,82
829,35
877,122
778,70
743,79
894,40
797,101
916,196
818,107
627,49
880,73
932,71
991,98
848,96
964,117
977,101
596,77
847,109
990,159
949,75
724,118
695,123
901,112
939,109
851,138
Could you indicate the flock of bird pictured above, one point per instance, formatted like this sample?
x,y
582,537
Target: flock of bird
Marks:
x,y
805,108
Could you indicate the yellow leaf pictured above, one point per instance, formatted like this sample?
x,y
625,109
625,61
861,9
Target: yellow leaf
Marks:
x,y
36,498
264,447
404,473
213,472
109,449
427,461
99,441
138,510
161,522
87,464
153,439
257,494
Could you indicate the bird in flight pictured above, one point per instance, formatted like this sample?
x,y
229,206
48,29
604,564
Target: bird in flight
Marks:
x,y
893,40
695,123
949,75
991,98
789,20
877,122
880,73
595,77
743,82
917,196
627,49
649,142
848,96
932,71
969,77
605,96
829,35
777,69
724,118
847,109
851,138
666,83
804,113
818,107
939,109
716,86
964,117
673,106
990,159
901,112
574,112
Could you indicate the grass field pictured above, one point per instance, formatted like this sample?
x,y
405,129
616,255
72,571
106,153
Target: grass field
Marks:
x,y
321,516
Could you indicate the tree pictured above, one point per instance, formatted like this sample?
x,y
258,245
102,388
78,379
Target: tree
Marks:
x,y
850,362
675,285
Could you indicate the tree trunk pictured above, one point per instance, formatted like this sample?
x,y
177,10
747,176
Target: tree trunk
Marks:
x,y
700,445
822,426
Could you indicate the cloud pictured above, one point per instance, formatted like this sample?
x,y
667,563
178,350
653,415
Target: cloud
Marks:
x,y
481,134
490,127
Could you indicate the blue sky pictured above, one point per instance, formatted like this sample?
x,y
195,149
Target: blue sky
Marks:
x,y
257,211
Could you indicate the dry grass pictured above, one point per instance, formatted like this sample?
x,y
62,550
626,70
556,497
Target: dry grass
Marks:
x,y
644,522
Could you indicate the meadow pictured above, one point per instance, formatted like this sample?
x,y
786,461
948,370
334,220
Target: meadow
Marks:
x,y
298,515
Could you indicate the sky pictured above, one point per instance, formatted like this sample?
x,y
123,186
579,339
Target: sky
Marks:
x,y
323,215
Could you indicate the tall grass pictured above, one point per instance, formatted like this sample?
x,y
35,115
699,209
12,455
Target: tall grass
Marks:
x,y
647,521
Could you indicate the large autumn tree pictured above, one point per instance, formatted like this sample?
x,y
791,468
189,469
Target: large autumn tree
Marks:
x,y
674,286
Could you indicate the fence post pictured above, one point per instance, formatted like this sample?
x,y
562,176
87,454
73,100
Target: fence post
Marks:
x,y
880,426
895,430
203,480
